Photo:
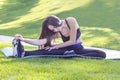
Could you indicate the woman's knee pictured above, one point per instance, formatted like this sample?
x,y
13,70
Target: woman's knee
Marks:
x,y
103,54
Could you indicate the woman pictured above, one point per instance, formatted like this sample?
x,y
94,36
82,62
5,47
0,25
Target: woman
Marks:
x,y
69,31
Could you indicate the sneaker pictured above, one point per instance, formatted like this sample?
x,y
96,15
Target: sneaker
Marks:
x,y
18,49
14,45
70,53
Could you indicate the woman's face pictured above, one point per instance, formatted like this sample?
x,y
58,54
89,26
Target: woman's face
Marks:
x,y
53,28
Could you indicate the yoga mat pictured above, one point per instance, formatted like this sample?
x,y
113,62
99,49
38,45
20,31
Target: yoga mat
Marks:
x,y
110,54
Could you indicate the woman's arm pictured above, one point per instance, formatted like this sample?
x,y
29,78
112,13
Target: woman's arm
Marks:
x,y
36,42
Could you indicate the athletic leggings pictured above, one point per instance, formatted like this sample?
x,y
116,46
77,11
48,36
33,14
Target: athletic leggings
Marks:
x,y
78,50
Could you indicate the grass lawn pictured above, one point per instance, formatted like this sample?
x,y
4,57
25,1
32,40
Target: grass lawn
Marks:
x,y
99,23
58,69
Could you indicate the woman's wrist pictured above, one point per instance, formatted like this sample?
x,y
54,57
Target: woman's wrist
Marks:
x,y
22,39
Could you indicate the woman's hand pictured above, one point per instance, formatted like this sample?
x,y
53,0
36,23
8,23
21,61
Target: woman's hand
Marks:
x,y
18,36
49,48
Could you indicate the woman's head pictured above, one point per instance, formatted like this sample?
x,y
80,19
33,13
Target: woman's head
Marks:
x,y
49,28
53,20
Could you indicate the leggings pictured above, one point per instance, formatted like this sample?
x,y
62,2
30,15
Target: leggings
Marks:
x,y
46,52
91,53
78,50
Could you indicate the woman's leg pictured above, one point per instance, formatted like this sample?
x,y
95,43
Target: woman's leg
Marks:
x,y
20,50
92,53
80,50
45,52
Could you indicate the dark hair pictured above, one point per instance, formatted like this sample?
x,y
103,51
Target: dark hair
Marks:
x,y
46,32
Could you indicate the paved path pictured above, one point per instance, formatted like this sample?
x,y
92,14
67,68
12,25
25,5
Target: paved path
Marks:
x,y
5,38
9,39
111,54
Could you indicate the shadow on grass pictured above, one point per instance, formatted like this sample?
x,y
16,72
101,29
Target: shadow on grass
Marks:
x,y
17,8
37,60
29,29
100,13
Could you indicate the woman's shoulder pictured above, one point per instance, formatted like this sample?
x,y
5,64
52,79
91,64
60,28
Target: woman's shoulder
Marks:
x,y
71,19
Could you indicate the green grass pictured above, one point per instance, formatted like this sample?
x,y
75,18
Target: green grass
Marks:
x,y
99,23
57,69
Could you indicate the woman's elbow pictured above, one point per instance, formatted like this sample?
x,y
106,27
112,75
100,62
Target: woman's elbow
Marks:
x,y
42,41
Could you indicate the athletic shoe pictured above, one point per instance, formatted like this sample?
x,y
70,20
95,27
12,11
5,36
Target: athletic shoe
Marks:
x,y
18,49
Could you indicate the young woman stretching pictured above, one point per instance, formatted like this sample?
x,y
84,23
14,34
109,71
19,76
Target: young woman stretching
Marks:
x,y
69,31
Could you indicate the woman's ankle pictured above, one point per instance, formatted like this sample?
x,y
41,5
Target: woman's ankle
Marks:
x,y
23,54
